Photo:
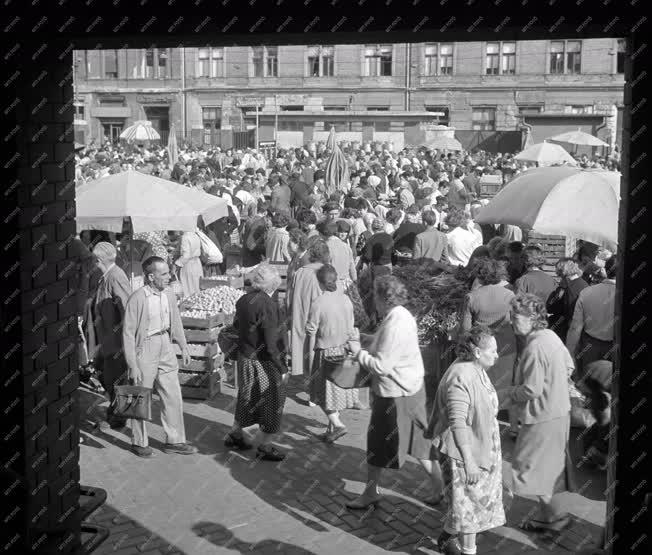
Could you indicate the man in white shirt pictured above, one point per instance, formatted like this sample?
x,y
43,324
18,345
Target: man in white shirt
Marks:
x,y
463,238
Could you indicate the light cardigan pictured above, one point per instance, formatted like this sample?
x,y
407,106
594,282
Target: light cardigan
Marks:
x,y
394,358
541,392
463,413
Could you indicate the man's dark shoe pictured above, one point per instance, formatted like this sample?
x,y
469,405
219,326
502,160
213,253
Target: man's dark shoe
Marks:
x,y
233,441
269,453
143,452
117,423
180,449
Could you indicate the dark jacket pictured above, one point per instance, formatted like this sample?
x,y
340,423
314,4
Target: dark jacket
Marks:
x,y
379,248
110,301
301,194
405,235
253,239
561,305
257,322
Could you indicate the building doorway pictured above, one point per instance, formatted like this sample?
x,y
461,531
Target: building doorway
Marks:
x,y
111,130
160,118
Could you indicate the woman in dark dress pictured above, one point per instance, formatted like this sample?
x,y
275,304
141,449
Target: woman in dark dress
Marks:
x,y
262,371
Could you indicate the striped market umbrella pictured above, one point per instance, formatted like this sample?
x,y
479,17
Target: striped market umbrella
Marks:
x,y
173,149
140,131
337,170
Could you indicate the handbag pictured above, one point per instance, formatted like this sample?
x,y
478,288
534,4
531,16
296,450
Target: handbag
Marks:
x,y
132,401
210,252
344,370
227,341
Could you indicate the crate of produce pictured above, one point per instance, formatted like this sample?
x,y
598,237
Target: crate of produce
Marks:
x,y
237,282
208,335
199,350
200,321
202,364
202,385
490,185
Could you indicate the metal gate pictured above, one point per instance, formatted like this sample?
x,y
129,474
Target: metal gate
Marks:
x,y
244,139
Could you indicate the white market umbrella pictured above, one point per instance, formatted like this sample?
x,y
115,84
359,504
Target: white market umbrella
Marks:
x,y
578,137
151,203
444,143
546,154
140,131
560,201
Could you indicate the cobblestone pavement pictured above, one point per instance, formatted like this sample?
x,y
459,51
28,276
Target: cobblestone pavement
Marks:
x,y
225,502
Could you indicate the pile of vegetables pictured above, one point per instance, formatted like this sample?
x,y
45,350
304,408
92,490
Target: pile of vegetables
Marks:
x,y
212,300
436,298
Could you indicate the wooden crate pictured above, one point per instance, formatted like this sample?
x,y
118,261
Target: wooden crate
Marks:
x,y
200,385
199,350
237,282
553,246
213,321
202,365
202,335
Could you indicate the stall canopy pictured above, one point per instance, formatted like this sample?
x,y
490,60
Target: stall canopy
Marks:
x,y
152,204
546,154
141,130
560,201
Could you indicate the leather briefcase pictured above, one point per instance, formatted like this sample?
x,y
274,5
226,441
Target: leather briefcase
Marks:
x,y
132,401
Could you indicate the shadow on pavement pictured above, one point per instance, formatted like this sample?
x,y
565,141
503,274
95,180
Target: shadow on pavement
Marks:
x,y
128,535
221,536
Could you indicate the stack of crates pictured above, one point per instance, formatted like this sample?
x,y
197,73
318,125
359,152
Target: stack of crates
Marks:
x,y
201,378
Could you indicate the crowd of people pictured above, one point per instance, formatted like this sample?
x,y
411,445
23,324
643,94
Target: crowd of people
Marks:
x,y
524,339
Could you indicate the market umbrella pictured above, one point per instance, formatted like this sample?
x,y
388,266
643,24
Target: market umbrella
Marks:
x,y
140,131
546,154
337,170
173,149
560,201
152,204
578,137
444,143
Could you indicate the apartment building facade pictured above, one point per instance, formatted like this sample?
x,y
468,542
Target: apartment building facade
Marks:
x,y
487,91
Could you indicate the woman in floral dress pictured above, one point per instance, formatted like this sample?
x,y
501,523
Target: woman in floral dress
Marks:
x,y
465,431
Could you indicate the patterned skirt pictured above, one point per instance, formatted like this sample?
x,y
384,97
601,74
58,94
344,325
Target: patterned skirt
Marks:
x,y
261,395
476,508
325,393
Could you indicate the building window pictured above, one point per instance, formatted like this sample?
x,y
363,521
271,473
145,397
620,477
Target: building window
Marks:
x,y
339,126
272,61
501,58
162,63
110,64
289,125
530,109
440,112
212,121
378,60
112,101
292,108
620,56
484,119
334,108
211,62
578,109
566,57
493,58
378,109
320,61
149,63
79,113
381,126
93,63
508,60
265,61
438,59
111,130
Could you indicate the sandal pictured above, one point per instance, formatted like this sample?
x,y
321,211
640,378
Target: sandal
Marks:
x,y
361,506
534,525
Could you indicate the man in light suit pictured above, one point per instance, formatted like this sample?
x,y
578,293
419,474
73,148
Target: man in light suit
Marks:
x,y
152,321
431,243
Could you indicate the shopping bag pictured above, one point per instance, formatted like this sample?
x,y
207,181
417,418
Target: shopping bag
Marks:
x,y
210,252
132,401
344,370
